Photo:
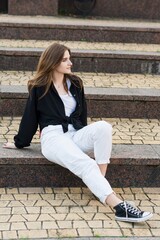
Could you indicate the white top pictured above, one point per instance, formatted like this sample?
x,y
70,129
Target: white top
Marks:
x,y
68,101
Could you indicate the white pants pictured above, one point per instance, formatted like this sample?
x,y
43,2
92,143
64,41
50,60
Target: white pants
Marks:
x,y
70,151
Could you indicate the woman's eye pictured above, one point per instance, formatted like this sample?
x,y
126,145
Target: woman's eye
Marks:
x,y
65,60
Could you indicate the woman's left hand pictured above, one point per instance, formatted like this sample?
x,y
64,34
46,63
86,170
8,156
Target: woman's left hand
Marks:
x,y
9,145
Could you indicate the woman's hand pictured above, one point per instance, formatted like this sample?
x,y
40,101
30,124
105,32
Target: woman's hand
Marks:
x,y
9,145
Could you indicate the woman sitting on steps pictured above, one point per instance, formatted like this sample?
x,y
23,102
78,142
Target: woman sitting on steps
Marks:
x,y
56,104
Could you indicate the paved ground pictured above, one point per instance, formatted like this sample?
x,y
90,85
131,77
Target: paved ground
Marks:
x,y
81,45
125,131
72,212
90,79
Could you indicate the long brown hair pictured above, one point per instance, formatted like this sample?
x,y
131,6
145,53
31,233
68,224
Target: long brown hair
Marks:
x,y
48,62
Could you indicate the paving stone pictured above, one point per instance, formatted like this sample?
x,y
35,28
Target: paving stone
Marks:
x,y
18,210
142,232
48,190
31,190
33,225
32,234
86,216
15,204
28,203
107,232
42,203
7,197
5,211
59,216
83,232
47,196
67,233
52,233
100,216
80,224
73,216
20,196
48,210
64,224
9,235
44,217
4,203
17,218
33,209
30,217
95,224
155,232
4,218
18,226
55,202
4,226
50,225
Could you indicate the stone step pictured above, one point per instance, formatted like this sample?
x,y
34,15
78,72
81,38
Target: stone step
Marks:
x,y
101,102
78,29
86,57
113,85
135,157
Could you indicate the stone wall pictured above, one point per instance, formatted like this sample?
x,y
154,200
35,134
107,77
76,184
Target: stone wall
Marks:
x,y
144,9
33,7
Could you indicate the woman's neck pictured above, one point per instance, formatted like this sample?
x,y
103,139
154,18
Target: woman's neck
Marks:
x,y
58,78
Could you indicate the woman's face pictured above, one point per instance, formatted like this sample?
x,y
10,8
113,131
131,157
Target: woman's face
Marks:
x,y
65,65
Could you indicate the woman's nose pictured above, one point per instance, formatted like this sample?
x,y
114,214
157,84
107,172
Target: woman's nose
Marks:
x,y
69,62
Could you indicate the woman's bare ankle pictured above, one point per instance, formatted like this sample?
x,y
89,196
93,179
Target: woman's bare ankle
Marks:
x,y
112,200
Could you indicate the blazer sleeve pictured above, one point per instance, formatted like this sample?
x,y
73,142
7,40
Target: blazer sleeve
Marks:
x,y
29,122
83,115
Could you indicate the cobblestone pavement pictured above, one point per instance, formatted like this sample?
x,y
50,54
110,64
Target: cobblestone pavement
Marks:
x,y
81,45
72,212
90,79
125,131
5,18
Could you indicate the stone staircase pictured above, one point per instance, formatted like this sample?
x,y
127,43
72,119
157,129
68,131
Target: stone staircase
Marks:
x,y
120,64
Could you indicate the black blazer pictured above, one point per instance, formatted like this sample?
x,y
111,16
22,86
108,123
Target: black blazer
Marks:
x,y
49,110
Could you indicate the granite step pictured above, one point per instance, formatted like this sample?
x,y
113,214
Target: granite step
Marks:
x,y
78,29
135,157
87,57
101,102
110,84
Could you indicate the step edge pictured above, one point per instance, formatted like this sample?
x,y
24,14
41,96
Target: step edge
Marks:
x,y
121,154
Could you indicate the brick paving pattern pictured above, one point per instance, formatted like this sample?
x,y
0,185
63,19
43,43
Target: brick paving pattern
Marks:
x,y
72,212
81,45
125,130
90,79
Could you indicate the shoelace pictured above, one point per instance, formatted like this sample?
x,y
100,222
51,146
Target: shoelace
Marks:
x,y
131,209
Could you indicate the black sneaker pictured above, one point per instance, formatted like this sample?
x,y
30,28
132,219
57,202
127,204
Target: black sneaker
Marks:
x,y
127,213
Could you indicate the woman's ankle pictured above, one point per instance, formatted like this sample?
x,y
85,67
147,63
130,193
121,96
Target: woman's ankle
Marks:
x,y
112,200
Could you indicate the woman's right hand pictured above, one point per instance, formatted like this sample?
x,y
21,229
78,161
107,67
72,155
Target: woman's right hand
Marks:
x,y
9,145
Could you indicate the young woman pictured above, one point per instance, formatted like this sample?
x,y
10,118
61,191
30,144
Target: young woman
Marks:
x,y
56,104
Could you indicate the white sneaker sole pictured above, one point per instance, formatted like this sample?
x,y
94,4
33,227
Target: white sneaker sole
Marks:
x,y
124,219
